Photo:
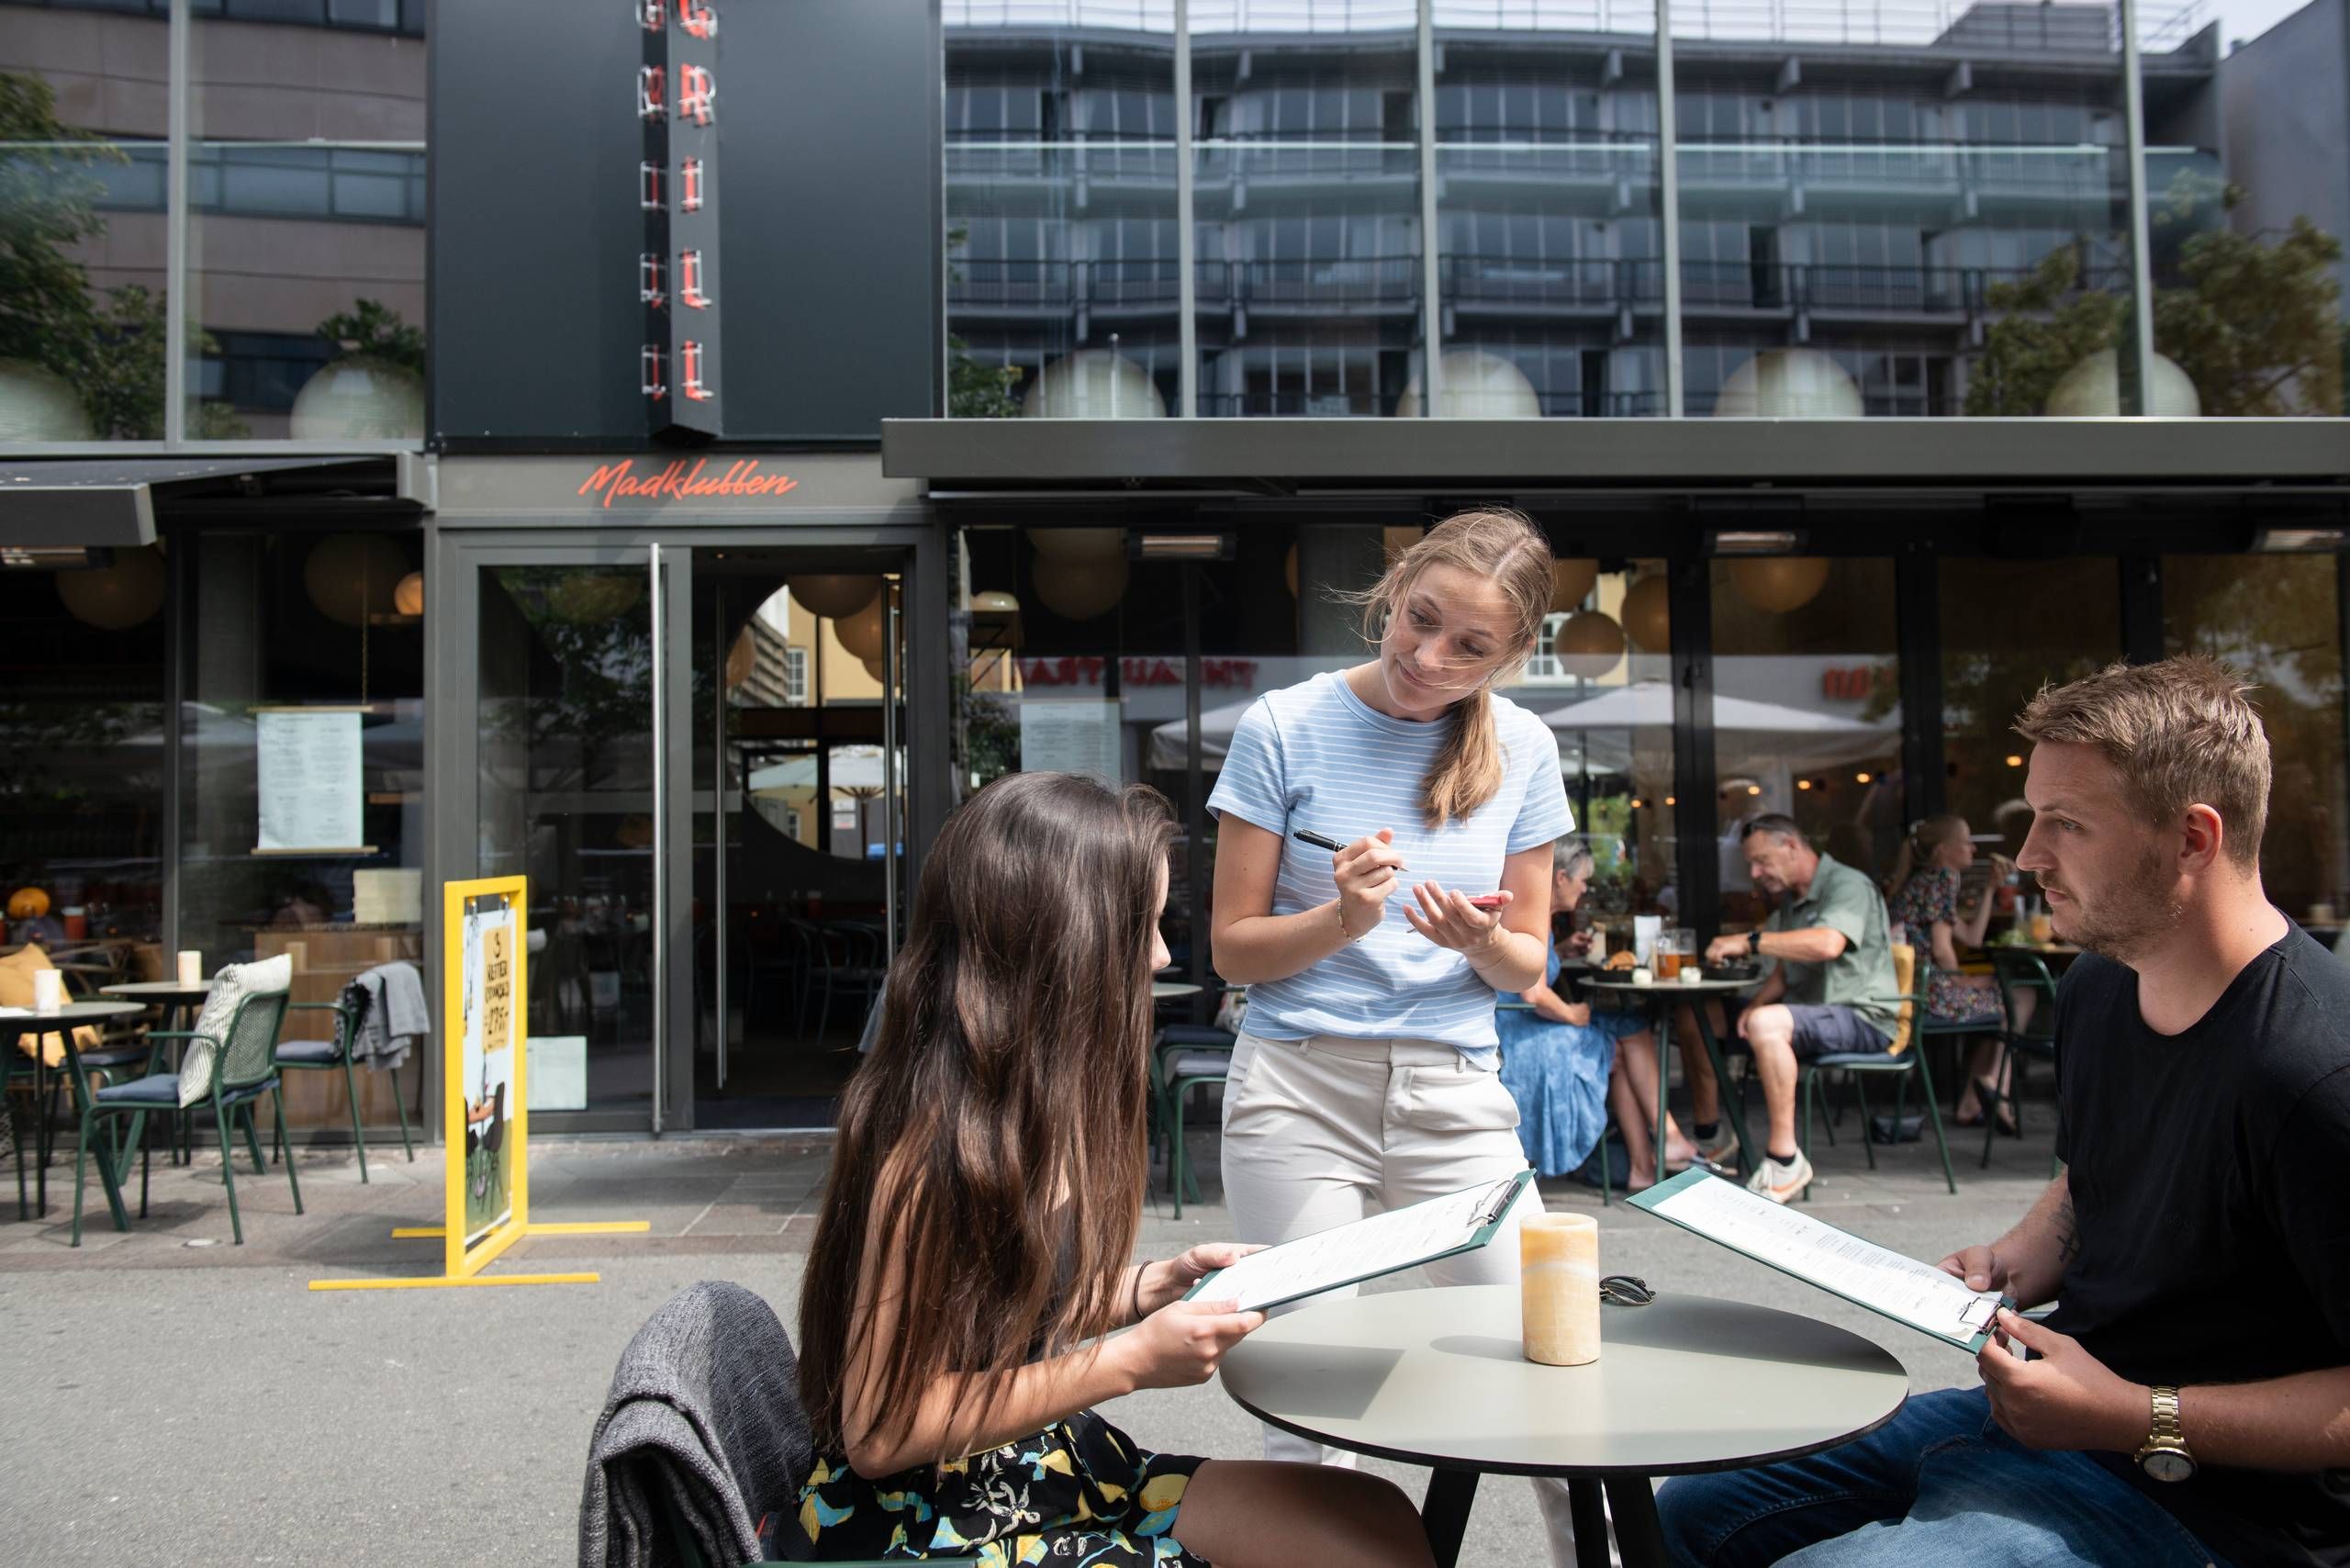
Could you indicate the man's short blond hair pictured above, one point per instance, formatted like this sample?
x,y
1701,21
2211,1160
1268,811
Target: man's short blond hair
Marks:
x,y
2180,733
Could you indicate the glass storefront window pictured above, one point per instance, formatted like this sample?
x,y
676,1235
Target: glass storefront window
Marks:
x,y
1306,192
2008,628
1874,224
1807,712
1062,277
81,695
1602,684
565,797
2277,620
302,768
1552,261
307,225
81,158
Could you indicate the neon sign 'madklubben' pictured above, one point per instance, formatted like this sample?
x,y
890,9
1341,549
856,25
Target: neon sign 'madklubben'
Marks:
x,y
679,480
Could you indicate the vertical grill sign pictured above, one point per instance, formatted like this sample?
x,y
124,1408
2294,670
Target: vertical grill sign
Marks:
x,y
677,283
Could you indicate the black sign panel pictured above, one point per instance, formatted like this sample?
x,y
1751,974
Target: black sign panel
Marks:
x,y
677,191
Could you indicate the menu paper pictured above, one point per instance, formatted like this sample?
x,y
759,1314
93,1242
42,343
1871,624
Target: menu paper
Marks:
x,y
1069,735
306,768
1885,1282
1349,1254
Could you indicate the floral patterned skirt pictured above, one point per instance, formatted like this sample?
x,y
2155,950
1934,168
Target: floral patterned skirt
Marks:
x,y
1080,1492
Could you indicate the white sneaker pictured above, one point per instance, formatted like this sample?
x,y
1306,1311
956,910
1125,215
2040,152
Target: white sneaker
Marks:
x,y
1719,1151
1780,1180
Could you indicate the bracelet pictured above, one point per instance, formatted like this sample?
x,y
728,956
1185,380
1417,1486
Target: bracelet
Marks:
x,y
1338,907
1137,1312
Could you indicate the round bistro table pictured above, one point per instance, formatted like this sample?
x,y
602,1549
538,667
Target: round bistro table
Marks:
x,y
13,1027
1683,1385
1659,995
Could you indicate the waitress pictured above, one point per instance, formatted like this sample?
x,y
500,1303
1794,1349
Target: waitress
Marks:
x,y
1366,1077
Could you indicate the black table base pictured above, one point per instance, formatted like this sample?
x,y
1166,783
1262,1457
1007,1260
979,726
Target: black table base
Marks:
x,y
1631,1500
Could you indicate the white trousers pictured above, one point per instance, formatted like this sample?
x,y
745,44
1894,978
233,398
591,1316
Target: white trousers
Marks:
x,y
1323,1131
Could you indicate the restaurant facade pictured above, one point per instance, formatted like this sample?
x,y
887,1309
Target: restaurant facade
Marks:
x,y
695,447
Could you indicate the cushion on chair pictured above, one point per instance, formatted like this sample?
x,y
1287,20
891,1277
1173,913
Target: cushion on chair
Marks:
x,y
1196,1035
156,1089
113,1056
229,987
1878,1061
1198,1064
16,972
322,1053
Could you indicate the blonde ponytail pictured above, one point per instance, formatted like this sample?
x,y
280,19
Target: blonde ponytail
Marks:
x,y
1506,549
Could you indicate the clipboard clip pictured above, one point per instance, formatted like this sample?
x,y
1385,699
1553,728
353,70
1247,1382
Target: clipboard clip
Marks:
x,y
1498,1203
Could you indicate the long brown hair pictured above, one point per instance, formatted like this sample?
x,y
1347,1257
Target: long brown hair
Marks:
x,y
1505,548
991,1147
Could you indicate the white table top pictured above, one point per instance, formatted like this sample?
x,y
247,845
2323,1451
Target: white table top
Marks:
x,y
71,1013
1685,1385
1694,988
160,991
1168,991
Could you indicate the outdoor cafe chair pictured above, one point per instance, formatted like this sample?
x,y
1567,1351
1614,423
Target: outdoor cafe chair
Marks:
x,y
2020,973
1903,1054
241,1070
326,1056
1182,1057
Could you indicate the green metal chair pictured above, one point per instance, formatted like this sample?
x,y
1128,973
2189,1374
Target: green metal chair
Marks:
x,y
326,1056
1905,1055
241,1071
1183,1056
2020,973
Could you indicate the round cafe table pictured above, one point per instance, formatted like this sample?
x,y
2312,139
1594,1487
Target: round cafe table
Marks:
x,y
16,1024
1683,1385
1658,996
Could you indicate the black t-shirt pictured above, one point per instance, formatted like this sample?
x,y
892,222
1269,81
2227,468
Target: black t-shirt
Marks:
x,y
2211,1179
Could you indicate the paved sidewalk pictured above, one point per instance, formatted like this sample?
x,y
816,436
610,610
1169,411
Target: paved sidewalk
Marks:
x,y
166,1400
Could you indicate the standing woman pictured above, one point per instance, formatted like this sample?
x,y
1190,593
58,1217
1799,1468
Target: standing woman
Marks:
x,y
1365,1078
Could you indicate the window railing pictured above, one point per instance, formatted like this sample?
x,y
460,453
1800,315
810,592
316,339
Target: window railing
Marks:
x,y
381,184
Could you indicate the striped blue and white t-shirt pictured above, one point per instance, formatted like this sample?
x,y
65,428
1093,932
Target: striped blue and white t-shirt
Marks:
x,y
1315,756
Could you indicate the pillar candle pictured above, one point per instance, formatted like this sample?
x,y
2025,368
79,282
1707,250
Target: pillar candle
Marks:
x,y
49,991
190,969
1559,1288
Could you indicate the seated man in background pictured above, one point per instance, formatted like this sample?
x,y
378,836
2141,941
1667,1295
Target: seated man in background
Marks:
x,y
1828,948
2188,1403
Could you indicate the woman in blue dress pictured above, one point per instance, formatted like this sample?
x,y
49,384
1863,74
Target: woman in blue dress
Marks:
x,y
1561,1060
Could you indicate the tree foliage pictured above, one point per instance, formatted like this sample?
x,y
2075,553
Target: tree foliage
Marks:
x,y
372,330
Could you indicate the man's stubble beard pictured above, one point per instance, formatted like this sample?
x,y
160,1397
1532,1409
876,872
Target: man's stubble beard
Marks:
x,y
2131,920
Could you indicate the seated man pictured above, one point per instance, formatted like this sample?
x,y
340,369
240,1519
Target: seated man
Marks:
x,y
2189,1401
1828,946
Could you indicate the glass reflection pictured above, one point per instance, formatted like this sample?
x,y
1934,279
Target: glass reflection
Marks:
x,y
1062,285
1307,215
1552,267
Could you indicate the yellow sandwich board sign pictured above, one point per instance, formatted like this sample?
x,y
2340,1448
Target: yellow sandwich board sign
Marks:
x,y
485,1028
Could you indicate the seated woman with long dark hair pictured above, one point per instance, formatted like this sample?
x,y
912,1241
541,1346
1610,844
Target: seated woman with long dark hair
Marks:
x,y
972,1258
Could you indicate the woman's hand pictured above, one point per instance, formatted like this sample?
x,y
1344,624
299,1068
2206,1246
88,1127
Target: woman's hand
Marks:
x,y
1365,871
1168,1280
1181,1344
1447,919
1577,945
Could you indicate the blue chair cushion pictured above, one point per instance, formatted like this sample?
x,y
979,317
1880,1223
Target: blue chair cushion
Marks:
x,y
113,1055
1196,1035
1198,1064
155,1089
1884,1061
320,1053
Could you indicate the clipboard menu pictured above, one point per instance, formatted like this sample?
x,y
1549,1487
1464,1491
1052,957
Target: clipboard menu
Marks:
x,y
1890,1283
1349,1254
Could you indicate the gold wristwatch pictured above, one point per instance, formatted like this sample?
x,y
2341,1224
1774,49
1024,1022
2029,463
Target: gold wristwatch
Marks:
x,y
2165,1455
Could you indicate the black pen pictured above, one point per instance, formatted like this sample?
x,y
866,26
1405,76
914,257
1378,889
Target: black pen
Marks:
x,y
1306,835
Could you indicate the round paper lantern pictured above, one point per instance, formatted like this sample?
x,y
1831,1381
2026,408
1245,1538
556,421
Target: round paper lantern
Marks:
x,y
863,632
1477,385
407,594
590,598
350,576
833,598
360,399
1079,590
2092,389
1093,384
1079,543
38,404
116,597
1589,644
994,601
1648,614
1571,583
995,621
1789,384
878,671
1778,584
741,659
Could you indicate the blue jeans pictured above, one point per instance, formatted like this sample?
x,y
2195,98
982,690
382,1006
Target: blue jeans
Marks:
x,y
1938,1487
